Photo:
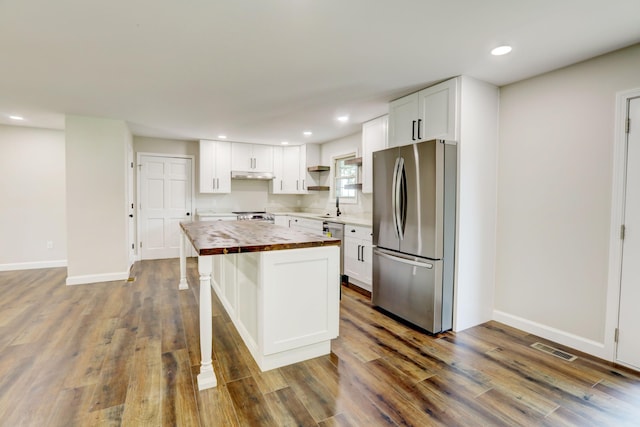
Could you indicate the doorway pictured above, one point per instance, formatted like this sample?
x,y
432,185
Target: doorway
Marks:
x,y
628,336
165,195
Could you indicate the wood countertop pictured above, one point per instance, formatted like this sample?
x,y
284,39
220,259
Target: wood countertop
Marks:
x,y
225,237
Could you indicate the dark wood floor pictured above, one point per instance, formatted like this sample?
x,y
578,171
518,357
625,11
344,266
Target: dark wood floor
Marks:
x,y
127,354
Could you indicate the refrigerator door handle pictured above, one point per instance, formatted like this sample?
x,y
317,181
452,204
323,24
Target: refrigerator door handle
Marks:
x,y
394,197
385,254
398,195
403,197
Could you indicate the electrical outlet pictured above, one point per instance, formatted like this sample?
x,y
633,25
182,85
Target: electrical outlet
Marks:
x,y
49,244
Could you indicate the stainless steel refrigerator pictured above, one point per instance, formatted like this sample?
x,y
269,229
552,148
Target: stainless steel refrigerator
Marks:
x,y
414,223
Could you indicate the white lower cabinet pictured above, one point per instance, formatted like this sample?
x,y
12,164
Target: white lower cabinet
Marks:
x,y
281,318
358,254
281,220
304,224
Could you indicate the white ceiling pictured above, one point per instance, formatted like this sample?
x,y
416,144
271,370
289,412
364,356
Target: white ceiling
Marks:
x,y
266,70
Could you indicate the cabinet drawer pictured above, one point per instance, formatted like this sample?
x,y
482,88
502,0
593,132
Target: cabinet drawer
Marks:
x,y
358,232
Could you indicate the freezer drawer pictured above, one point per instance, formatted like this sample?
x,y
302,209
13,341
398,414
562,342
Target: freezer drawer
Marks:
x,y
409,287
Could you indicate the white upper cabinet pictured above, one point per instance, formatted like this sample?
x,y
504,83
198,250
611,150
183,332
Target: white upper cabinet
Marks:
x,y
215,173
290,168
374,138
251,157
424,115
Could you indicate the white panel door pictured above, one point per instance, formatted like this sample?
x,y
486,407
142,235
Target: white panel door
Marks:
x,y
165,200
131,231
628,351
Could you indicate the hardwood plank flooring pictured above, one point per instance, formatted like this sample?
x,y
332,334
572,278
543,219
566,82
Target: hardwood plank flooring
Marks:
x,y
127,354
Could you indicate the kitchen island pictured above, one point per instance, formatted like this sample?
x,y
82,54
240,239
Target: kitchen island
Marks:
x,y
280,287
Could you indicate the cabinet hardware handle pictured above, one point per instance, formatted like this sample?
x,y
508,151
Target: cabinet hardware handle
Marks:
x,y
218,183
419,124
362,256
413,130
303,184
130,215
188,213
358,252
296,185
280,185
213,184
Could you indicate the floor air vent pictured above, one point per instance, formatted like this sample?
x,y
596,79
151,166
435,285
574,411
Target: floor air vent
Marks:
x,y
554,351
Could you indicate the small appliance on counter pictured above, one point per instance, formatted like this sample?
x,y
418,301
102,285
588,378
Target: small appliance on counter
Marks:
x,y
414,222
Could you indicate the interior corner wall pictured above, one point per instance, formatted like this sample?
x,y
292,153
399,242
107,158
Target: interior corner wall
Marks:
x,y
96,160
32,172
477,198
554,198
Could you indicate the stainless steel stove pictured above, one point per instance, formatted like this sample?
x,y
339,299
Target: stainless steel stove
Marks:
x,y
255,216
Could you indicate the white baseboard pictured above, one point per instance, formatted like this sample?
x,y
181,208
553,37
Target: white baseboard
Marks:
x,y
96,278
33,265
594,348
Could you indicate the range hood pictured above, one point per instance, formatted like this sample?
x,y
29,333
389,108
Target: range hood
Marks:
x,y
264,176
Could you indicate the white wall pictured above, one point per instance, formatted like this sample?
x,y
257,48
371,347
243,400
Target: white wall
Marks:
x,y
96,161
245,194
33,198
325,201
555,182
477,195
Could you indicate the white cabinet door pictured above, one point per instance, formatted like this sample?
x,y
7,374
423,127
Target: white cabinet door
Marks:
x,y
207,167
291,182
358,255
403,119
223,167
437,112
263,158
215,170
281,220
367,263
251,157
241,156
374,138
304,224
424,115
286,168
352,257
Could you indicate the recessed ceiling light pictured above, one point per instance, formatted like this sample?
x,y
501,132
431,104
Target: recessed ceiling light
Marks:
x,y
343,119
500,50
284,143
307,133
222,136
16,117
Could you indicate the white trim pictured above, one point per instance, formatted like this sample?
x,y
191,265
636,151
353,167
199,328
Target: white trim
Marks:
x,y
617,219
139,154
96,278
33,265
585,345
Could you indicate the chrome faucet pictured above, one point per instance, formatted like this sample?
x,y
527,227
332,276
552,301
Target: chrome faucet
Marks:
x,y
338,206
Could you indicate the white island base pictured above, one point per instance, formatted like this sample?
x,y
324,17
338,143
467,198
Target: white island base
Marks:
x,y
285,304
